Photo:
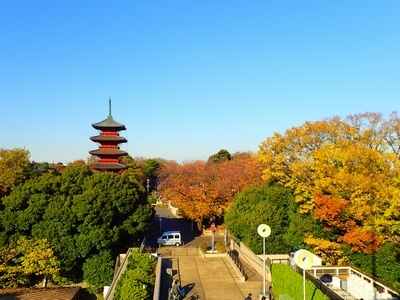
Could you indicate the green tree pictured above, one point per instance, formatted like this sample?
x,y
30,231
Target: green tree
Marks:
x,y
300,226
98,271
221,155
269,204
79,212
383,264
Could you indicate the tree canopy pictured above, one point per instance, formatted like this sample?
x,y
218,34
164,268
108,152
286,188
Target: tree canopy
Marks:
x,y
205,190
15,167
270,204
79,212
221,155
345,173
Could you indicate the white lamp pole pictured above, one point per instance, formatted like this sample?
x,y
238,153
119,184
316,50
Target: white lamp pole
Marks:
x,y
264,231
304,259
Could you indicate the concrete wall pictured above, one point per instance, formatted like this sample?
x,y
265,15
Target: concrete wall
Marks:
x,y
257,262
157,284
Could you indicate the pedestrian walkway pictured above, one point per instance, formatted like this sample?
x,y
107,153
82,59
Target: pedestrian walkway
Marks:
x,y
203,278
211,278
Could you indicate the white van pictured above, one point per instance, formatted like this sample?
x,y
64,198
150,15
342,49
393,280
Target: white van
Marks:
x,y
169,238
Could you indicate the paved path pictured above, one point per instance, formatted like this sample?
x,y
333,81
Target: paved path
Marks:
x,y
203,278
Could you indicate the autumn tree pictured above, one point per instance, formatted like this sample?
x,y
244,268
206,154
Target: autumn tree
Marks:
x,y
26,258
202,190
144,171
344,172
15,167
242,155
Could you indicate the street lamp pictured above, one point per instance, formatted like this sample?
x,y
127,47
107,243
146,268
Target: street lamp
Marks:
x,y
264,230
160,221
212,236
304,260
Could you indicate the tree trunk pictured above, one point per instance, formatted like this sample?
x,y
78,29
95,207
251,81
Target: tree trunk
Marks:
x,y
200,225
44,281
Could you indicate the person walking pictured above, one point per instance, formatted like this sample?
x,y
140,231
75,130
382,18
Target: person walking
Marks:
x,y
249,297
176,289
271,296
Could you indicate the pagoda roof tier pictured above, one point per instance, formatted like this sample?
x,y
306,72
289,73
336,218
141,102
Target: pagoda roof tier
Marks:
x,y
109,138
104,166
109,123
111,152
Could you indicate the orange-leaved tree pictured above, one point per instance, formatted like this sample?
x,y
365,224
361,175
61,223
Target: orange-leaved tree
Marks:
x,y
344,172
204,190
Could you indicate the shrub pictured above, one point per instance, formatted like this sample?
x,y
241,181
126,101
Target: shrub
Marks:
x,y
220,247
287,283
138,279
203,247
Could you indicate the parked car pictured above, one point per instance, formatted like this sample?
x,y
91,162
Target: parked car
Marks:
x,y
170,238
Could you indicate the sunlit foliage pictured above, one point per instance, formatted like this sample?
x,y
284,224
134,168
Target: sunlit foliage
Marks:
x,y
204,190
345,173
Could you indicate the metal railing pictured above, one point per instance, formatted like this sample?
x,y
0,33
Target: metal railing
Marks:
x,y
321,286
235,258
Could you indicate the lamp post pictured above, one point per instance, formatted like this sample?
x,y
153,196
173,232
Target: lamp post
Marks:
x,y
304,260
160,221
212,236
264,230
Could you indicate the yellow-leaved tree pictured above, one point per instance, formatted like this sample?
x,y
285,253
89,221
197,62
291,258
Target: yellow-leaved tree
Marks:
x,y
344,172
28,257
15,167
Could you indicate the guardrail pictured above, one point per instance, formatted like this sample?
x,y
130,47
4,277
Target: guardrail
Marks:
x,y
120,270
157,284
235,258
321,286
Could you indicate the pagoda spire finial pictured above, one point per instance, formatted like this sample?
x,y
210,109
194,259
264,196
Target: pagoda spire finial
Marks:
x,y
109,107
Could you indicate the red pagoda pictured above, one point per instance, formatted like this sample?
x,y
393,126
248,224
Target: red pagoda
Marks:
x,y
109,139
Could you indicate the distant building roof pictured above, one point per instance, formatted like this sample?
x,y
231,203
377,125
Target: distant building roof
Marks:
x,y
109,123
111,152
59,293
104,166
109,138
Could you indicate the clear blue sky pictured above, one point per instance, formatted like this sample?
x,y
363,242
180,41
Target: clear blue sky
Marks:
x,y
188,78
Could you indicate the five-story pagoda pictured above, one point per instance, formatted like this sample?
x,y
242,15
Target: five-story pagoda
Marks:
x,y
109,152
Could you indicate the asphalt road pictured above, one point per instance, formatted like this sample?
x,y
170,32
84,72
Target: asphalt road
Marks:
x,y
164,220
